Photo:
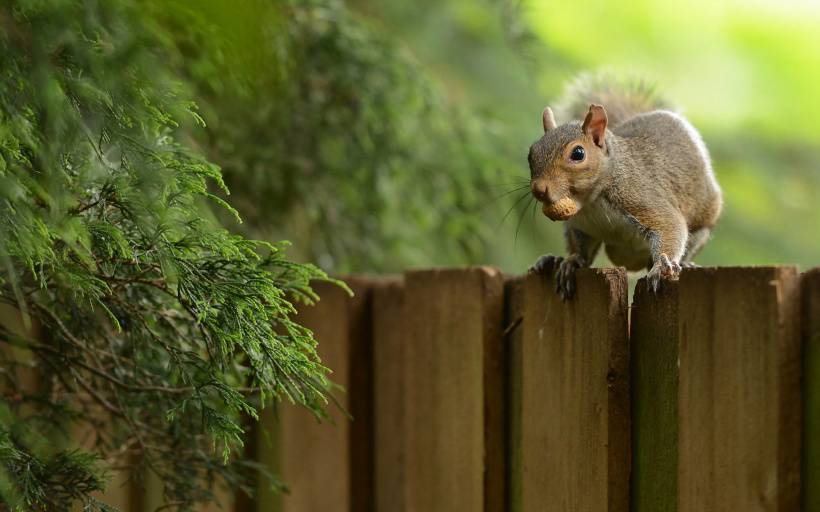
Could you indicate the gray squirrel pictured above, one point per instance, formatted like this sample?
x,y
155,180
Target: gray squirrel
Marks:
x,y
626,172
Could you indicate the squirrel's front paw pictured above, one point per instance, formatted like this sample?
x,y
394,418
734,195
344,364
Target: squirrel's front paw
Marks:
x,y
664,268
565,276
545,263
564,272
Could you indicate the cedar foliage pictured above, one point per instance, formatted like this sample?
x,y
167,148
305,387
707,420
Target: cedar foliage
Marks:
x,y
149,330
147,324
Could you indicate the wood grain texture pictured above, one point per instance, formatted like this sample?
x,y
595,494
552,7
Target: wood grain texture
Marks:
x,y
121,490
389,384
360,393
574,405
314,457
654,366
739,390
244,501
513,339
150,491
454,390
811,390
267,454
224,500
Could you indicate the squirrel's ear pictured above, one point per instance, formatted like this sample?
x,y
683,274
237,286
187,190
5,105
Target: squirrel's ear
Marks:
x,y
548,119
595,124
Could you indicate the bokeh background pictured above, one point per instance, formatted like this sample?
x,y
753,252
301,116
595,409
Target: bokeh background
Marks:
x,y
374,135
378,135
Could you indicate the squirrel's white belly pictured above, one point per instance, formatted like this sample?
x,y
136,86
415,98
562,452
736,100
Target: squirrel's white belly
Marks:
x,y
625,242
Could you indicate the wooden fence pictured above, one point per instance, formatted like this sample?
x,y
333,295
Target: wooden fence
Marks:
x,y
472,391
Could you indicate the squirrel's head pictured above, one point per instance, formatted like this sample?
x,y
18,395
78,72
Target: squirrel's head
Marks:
x,y
566,162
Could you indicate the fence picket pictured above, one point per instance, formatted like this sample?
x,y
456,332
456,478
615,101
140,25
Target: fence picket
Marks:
x,y
574,401
307,454
454,390
360,393
728,337
390,380
811,389
654,367
513,342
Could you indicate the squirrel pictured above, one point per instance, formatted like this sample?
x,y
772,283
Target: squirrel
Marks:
x,y
626,172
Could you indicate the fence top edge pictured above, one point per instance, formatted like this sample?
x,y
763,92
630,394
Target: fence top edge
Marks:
x,y
812,273
751,272
747,267
487,270
371,280
368,280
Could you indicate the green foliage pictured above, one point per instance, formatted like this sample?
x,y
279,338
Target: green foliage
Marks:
x,y
330,132
149,324
55,481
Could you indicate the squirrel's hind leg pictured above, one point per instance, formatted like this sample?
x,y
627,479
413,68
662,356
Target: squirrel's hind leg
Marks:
x,y
697,239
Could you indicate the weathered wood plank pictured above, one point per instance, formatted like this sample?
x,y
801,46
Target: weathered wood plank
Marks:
x,y
513,339
811,390
224,500
574,423
310,455
717,412
337,455
390,380
150,493
654,366
739,390
267,454
121,490
360,393
454,390
243,501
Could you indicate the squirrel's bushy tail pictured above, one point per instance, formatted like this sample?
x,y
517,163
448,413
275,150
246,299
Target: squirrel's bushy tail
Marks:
x,y
622,97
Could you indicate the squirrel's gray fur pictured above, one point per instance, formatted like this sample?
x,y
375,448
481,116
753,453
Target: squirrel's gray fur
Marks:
x,y
623,97
644,188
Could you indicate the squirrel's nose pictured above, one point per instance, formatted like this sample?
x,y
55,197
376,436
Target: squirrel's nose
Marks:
x,y
540,190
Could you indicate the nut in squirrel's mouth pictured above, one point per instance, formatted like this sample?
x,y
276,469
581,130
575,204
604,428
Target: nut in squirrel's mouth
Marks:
x,y
562,209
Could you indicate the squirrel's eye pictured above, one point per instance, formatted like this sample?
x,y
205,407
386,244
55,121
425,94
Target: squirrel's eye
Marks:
x,y
577,154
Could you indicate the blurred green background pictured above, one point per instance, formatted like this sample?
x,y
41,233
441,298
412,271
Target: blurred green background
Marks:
x,y
378,135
